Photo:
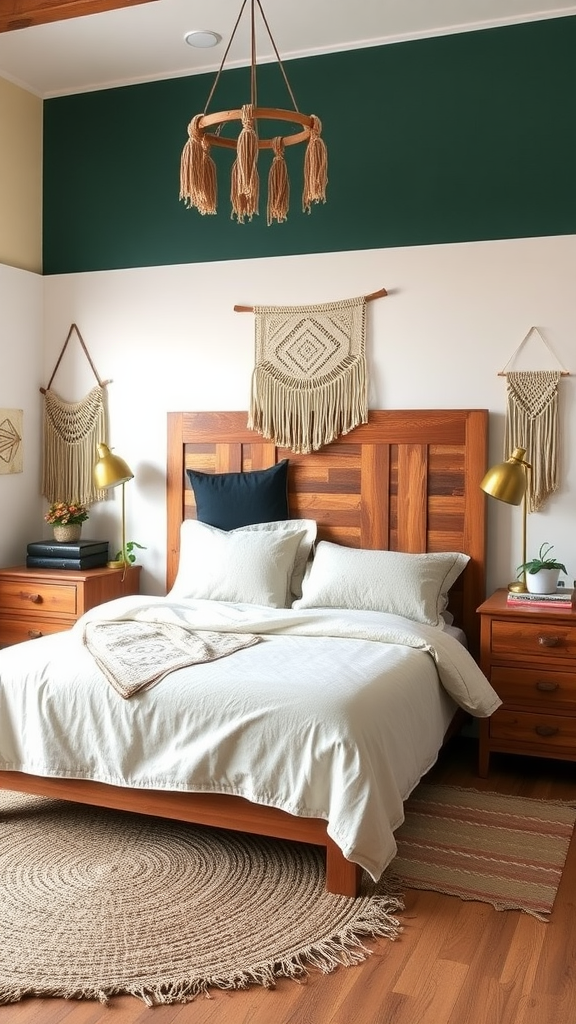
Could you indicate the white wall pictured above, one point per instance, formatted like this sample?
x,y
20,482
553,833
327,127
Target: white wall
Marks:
x,y
169,339
21,333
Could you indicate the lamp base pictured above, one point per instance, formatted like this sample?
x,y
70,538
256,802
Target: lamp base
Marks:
x,y
518,587
118,564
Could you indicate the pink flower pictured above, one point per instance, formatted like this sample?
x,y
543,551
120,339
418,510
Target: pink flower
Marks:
x,y
62,513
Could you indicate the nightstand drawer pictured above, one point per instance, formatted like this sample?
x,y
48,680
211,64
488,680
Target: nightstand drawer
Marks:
x,y
537,686
533,639
547,731
46,598
34,602
15,631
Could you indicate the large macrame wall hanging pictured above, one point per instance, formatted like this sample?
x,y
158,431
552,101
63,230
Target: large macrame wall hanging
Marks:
x,y
532,423
71,433
309,383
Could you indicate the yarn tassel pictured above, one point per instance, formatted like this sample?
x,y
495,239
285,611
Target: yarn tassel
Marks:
x,y
245,186
315,167
278,184
198,185
243,205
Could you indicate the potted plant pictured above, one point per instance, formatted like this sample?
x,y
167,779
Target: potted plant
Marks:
x,y
128,554
66,518
542,573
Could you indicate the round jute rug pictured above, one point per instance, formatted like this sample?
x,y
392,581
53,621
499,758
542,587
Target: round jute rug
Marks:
x,y
95,903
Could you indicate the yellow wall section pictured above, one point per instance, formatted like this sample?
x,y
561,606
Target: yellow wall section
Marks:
x,y
20,178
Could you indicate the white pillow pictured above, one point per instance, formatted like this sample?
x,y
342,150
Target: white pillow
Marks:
x,y
259,564
306,530
415,586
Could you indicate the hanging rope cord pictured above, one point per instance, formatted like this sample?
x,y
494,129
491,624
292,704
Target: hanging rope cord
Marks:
x,y
253,79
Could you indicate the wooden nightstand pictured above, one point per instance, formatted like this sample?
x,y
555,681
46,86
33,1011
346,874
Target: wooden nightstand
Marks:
x,y
34,602
529,656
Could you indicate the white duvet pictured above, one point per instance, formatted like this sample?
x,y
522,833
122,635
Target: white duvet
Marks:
x,y
334,714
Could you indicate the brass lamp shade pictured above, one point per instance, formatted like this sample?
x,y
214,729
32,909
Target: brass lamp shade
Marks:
x,y
111,471
508,481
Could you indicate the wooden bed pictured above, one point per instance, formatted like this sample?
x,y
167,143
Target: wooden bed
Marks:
x,y
406,481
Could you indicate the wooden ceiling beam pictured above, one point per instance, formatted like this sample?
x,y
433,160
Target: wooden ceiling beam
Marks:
x,y
18,14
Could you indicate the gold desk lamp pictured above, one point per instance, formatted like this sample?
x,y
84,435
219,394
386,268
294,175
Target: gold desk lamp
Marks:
x,y
508,481
111,471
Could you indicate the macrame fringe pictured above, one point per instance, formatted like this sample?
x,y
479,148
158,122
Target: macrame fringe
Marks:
x,y
532,423
315,168
305,415
278,185
198,184
71,435
375,917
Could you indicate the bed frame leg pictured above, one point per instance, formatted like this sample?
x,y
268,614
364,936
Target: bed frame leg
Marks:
x,y
342,876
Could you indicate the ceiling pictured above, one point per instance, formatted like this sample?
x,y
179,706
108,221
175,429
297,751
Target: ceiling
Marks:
x,y
144,41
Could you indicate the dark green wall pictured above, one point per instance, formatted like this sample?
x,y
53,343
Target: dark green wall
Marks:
x,y
458,138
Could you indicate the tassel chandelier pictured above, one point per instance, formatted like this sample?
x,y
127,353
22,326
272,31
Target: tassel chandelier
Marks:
x,y
198,179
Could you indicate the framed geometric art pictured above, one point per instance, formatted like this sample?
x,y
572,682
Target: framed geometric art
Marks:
x,y
11,441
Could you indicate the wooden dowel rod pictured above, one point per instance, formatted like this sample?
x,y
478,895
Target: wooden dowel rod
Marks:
x,y
102,383
563,373
373,295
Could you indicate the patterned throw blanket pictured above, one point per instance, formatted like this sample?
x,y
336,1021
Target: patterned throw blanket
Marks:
x,y
134,655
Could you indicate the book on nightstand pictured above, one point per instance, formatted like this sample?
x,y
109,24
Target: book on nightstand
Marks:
x,y
87,562
564,597
81,554
66,549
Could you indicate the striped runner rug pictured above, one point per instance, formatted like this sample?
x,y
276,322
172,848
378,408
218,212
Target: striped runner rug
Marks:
x,y
505,850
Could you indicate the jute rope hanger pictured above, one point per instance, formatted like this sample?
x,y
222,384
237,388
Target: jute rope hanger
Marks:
x,y
533,330
73,328
380,294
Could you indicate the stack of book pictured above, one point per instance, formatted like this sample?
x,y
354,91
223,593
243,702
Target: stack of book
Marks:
x,y
564,597
79,554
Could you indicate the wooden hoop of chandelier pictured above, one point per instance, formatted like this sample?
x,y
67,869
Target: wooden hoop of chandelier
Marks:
x,y
260,114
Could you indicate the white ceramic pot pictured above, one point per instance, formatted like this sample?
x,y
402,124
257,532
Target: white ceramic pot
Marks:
x,y
545,581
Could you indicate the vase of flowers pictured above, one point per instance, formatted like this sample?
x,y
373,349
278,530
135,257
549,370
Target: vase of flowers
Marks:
x,y
66,518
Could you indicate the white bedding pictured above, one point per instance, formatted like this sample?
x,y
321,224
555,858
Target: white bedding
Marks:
x,y
335,714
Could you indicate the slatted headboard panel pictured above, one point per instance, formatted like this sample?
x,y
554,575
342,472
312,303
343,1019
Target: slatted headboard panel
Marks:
x,y
407,480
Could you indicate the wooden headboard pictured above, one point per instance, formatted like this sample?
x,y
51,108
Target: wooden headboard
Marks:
x,y
407,480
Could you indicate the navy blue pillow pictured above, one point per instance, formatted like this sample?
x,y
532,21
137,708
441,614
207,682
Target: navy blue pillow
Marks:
x,y
231,500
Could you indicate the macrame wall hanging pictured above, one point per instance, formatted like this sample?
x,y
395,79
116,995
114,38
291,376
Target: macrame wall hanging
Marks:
x,y
532,423
309,383
71,434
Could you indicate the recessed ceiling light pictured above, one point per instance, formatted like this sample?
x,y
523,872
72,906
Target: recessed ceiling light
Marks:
x,y
202,38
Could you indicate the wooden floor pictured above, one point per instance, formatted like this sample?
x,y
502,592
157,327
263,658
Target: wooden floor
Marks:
x,y
455,962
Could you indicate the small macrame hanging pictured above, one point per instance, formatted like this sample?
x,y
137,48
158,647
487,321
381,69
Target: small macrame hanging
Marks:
x,y
309,383
72,431
532,423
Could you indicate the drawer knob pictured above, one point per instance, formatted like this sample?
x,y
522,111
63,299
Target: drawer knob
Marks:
x,y
546,687
33,634
548,641
546,730
35,598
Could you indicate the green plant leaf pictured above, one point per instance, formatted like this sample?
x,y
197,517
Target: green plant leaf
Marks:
x,y
543,561
128,552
